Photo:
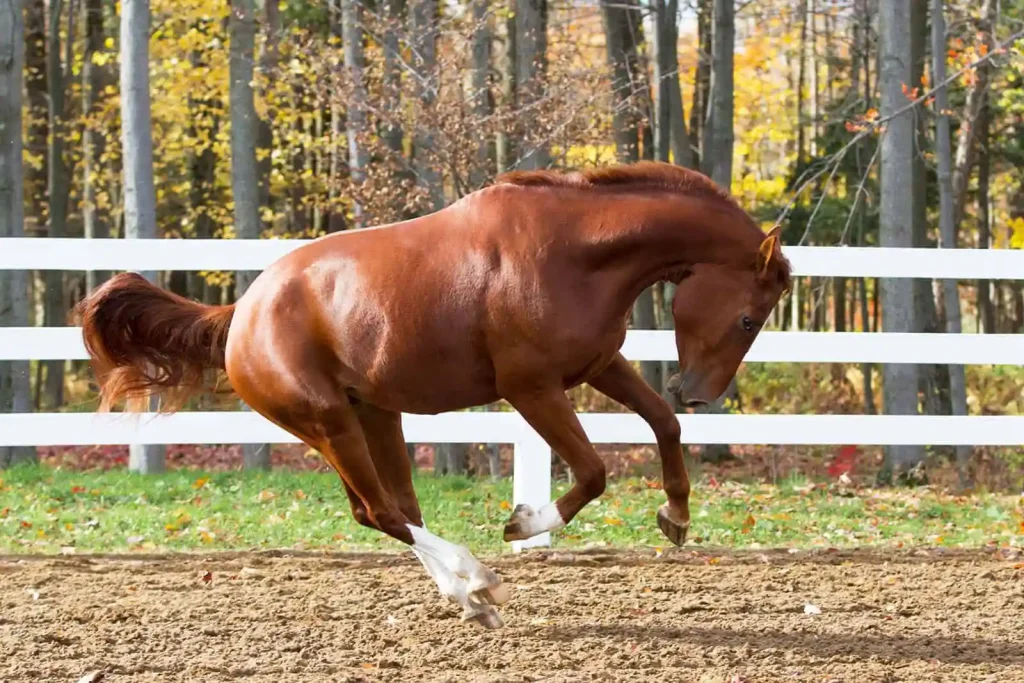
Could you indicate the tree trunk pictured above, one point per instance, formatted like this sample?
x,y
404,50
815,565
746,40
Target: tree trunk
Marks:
x,y
481,100
619,19
95,78
137,152
531,52
15,394
38,112
423,19
391,131
716,156
505,149
621,26
801,128
245,177
897,218
948,219
932,379
356,120
701,83
339,153
351,29
670,128
986,313
58,186
965,148
202,169
269,60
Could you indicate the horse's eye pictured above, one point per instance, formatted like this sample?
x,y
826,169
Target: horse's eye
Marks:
x,y
747,323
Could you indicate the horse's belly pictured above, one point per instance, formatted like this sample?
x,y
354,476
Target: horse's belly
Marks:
x,y
427,385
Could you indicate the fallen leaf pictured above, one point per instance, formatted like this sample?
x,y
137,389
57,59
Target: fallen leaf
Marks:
x,y
613,521
505,505
200,482
265,496
207,577
300,495
77,489
748,524
135,539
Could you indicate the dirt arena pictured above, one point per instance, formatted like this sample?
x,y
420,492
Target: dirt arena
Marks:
x,y
595,616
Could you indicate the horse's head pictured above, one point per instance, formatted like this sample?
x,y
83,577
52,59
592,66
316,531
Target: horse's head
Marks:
x,y
718,311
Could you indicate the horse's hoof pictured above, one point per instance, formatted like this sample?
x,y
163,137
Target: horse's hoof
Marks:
x,y
487,617
517,528
492,595
673,530
488,589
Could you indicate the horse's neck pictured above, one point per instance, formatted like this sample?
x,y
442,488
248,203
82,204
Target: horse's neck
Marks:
x,y
643,240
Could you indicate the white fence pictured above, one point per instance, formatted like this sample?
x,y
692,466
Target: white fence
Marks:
x,y
532,457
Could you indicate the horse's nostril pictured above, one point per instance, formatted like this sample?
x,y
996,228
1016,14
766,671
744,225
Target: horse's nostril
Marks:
x,y
695,403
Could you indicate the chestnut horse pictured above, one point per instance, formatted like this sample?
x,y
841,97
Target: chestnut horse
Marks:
x,y
518,291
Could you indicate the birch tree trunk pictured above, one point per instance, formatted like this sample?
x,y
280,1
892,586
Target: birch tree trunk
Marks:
x,y
245,177
14,379
505,147
137,155
356,125
897,218
392,130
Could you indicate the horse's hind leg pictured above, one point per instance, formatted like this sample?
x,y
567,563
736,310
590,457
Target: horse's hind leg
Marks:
x,y
383,431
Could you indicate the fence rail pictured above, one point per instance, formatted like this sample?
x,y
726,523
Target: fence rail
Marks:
x,y
531,482
28,253
65,343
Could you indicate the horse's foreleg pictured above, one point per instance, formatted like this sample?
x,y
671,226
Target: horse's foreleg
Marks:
x,y
621,383
477,587
550,413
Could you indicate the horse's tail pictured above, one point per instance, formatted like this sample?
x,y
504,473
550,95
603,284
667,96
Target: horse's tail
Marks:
x,y
146,341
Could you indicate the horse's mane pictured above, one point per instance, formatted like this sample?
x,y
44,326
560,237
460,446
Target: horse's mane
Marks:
x,y
642,175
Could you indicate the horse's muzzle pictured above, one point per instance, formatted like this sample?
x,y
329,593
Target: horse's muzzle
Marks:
x,y
681,385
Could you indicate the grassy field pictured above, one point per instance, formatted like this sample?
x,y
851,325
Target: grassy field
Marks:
x,y
50,510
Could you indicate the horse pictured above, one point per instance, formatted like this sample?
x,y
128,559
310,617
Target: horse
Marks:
x,y
518,291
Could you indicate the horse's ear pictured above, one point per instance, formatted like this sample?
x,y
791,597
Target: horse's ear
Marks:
x,y
768,247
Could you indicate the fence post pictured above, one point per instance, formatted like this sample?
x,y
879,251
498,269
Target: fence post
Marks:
x,y
531,481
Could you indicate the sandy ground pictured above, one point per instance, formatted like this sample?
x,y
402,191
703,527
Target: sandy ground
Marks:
x,y
596,616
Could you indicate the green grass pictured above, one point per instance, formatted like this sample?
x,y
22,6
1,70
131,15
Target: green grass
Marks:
x,y
46,510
